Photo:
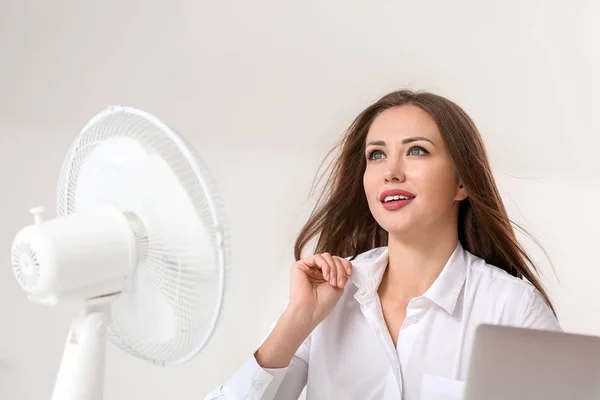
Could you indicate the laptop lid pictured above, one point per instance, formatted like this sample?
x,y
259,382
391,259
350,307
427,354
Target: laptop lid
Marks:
x,y
516,363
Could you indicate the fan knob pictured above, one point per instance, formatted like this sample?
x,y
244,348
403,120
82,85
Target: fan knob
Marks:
x,y
37,214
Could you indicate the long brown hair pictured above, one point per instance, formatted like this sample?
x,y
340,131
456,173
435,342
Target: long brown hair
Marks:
x,y
341,221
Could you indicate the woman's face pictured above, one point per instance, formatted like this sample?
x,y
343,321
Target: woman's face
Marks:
x,y
410,181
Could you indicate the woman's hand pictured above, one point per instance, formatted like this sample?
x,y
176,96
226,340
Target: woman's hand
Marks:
x,y
316,285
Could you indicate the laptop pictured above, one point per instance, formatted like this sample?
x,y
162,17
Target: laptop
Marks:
x,y
516,363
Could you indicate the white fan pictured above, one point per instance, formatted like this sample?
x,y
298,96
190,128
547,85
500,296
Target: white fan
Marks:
x,y
139,242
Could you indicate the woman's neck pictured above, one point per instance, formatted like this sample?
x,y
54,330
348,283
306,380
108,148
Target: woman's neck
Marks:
x,y
413,265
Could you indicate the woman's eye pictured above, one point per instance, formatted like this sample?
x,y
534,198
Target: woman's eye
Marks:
x,y
375,155
417,151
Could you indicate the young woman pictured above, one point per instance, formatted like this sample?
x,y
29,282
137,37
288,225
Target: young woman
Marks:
x,y
414,250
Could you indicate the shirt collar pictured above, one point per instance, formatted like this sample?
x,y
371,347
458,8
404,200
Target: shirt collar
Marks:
x,y
369,267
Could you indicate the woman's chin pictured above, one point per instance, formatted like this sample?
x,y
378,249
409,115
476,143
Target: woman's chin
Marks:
x,y
398,230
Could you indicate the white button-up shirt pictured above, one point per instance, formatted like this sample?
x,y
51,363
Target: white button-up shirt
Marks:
x,y
350,355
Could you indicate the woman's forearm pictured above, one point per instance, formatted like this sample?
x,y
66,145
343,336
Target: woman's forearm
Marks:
x,y
292,328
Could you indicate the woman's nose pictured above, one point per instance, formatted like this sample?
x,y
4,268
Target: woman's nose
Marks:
x,y
395,173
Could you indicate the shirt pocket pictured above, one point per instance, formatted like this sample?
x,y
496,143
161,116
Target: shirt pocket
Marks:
x,y
439,388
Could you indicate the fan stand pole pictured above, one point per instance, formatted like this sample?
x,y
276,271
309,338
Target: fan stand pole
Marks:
x,y
81,372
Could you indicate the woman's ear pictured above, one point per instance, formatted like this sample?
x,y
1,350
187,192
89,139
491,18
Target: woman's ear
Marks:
x,y
461,192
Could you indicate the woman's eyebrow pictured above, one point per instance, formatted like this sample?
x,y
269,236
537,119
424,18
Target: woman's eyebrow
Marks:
x,y
404,141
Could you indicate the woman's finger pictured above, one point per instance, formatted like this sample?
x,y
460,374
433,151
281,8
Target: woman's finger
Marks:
x,y
313,272
321,263
341,272
333,272
347,266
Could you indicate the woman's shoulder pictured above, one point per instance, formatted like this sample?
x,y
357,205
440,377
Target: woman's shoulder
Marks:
x,y
508,299
485,275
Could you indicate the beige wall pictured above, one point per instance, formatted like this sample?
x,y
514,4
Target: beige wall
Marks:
x,y
262,89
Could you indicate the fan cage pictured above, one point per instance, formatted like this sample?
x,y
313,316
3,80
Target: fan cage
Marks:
x,y
157,138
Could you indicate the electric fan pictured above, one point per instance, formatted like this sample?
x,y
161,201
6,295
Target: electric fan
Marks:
x,y
139,243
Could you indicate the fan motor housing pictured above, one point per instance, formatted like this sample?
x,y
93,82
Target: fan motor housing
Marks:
x,y
77,257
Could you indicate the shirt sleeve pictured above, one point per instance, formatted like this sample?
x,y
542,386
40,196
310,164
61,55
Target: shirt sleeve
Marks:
x,y
537,314
252,382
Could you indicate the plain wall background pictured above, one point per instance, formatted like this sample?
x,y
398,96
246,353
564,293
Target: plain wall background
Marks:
x,y
263,89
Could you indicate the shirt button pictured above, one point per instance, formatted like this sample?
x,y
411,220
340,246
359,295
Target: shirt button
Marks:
x,y
249,397
414,320
257,384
